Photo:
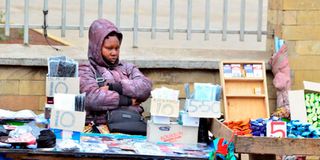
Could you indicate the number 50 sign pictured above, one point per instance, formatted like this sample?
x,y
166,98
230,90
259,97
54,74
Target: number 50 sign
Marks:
x,y
276,129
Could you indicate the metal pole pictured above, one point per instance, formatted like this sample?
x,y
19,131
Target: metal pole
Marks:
x,y
26,23
118,11
242,19
189,20
135,24
259,29
207,20
225,20
171,21
7,22
154,19
100,8
63,18
82,6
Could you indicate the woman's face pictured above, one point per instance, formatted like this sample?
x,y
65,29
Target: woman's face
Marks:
x,y
111,48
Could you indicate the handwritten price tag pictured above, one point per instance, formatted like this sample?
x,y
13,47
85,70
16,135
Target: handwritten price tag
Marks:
x,y
276,129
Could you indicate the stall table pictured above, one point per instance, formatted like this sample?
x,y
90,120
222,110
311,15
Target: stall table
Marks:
x,y
38,154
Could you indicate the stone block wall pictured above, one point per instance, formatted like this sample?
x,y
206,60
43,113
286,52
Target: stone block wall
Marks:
x,y
298,23
23,87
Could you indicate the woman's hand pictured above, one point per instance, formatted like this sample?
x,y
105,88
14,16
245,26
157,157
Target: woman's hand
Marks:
x,y
135,102
104,88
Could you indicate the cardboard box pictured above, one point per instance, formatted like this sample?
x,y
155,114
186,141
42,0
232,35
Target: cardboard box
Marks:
x,y
249,70
236,70
227,71
172,132
257,70
68,85
297,101
160,119
186,120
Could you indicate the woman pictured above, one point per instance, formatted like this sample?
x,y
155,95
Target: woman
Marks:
x,y
121,85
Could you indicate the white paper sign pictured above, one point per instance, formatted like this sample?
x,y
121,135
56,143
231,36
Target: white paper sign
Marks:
x,y
69,85
205,109
64,101
276,129
161,107
67,120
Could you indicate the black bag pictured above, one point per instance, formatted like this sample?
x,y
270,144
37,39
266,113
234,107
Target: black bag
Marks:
x,y
124,120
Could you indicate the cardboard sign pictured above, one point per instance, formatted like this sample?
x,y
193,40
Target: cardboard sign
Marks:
x,y
64,102
297,102
276,129
167,108
205,109
297,107
67,120
70,85
173,133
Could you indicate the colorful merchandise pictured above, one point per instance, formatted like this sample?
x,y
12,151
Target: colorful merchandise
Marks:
x,y
240,127
222,149
297,129
312,102
258,127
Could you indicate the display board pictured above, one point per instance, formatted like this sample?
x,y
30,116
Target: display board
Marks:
x,y
244,87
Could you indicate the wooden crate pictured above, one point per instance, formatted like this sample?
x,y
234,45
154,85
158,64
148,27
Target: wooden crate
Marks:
x,y
244,97
266,146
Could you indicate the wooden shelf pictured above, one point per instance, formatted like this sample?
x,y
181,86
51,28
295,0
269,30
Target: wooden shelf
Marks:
x,y
240,100
245,96
243,79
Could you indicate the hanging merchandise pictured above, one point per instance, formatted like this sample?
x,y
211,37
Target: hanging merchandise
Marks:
x,y
282,82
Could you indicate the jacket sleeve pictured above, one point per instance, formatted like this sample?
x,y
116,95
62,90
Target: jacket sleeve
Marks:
x,y
96,99
137,86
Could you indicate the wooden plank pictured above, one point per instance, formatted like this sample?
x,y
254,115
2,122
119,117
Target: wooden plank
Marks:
x,y
243,87
277,146
218,129
262,157
247,106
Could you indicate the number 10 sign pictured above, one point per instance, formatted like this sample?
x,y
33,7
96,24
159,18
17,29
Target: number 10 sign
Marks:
x,y
167,108
276,129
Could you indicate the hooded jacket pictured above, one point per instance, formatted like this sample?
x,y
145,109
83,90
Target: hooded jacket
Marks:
x,y
133,83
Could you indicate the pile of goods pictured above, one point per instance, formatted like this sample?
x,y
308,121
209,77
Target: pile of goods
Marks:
x,y
240,127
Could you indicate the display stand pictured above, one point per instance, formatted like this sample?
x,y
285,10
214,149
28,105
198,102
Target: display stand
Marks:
x,y
245,92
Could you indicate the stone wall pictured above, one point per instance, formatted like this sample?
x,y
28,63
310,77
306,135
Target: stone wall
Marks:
x,y
298,23
23,87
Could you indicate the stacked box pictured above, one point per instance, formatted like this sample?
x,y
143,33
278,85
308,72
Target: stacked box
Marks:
x,y
304,104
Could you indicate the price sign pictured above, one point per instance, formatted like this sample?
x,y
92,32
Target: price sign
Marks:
x,y
276,129
67,120
207,109
68,85
167,108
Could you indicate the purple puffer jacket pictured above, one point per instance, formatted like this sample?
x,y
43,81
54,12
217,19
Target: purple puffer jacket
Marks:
x,y
98,101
